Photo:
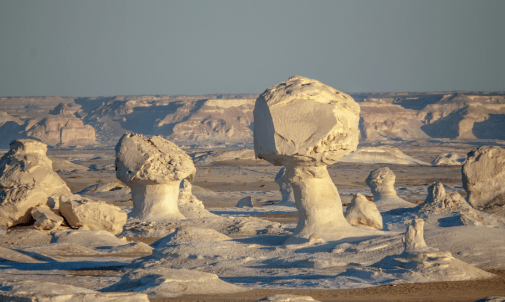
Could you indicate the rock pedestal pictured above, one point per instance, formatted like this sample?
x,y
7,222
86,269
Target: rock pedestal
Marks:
x,y
382,184
153,168
304,126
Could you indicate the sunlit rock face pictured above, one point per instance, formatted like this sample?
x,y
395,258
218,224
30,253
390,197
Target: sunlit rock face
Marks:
x,y
27,180
484,176
153,168
305,125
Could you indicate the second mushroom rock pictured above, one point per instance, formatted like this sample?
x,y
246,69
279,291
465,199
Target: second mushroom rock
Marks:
x,y
304,126
153,168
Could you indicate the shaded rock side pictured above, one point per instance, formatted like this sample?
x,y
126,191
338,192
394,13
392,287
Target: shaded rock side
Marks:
x,y
189,205
484,176
45,218
87,214
449,159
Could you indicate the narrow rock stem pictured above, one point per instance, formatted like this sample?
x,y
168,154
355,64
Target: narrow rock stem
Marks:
x,y
156,202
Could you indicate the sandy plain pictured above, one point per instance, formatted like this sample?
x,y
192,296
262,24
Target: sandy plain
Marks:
x,y
235,179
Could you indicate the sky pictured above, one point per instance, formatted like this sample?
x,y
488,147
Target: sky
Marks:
x,y
122,47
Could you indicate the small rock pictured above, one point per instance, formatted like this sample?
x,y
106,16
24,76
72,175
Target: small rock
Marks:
x,y
45,218
363,212
245,202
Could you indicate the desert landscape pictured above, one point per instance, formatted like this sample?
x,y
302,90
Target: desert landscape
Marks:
x,y
302,193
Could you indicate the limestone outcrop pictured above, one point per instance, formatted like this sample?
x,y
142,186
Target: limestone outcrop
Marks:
x,y
381,154
245,202
153,168
304,126
361,211
449,159
27,180
189,205
381,182
438,202
484,176
55,292
86,214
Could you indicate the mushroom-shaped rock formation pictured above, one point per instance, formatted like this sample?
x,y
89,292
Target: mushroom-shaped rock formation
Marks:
x,y
153,168
363,212
27,180
284,187
484,176
382,184
304,126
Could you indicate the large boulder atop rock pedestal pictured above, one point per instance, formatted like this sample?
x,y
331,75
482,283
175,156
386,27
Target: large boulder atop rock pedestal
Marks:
x,y
484,176
151,161
304,119
27,180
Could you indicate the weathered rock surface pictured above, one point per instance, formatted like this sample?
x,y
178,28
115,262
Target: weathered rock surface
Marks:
x,y
363,212
191,234
27,180
45,218
153,168
55,292
438,202
167,283
381,154
189,205
484,176
245,202
449,159
305,125
83,213
381,182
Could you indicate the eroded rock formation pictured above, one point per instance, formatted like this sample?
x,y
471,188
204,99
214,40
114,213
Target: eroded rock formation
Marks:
x,y
363,212
153,168
381,182
484,176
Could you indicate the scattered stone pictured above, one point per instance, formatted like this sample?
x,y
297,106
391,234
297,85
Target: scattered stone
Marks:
x,y
484,176
288,298
153,168
45,218
55,292
86,214
363,212
245,202
166,283
304,126
382,184
449,159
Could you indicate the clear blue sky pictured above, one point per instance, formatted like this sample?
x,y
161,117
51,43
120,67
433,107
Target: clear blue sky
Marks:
x,y
96,48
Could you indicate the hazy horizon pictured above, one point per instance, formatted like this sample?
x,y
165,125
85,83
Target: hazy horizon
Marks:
x,y
119,47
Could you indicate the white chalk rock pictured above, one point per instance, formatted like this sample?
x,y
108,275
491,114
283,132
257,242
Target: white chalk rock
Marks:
x,y
27,180
414,237
245,202
484,176
90,239
16,203
438,202
305,125
45,218
168,283
56,292
83,213
361,211
153,168
288,298
284,186
421,263
449,159
382,184
26,163
189,205
191,234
